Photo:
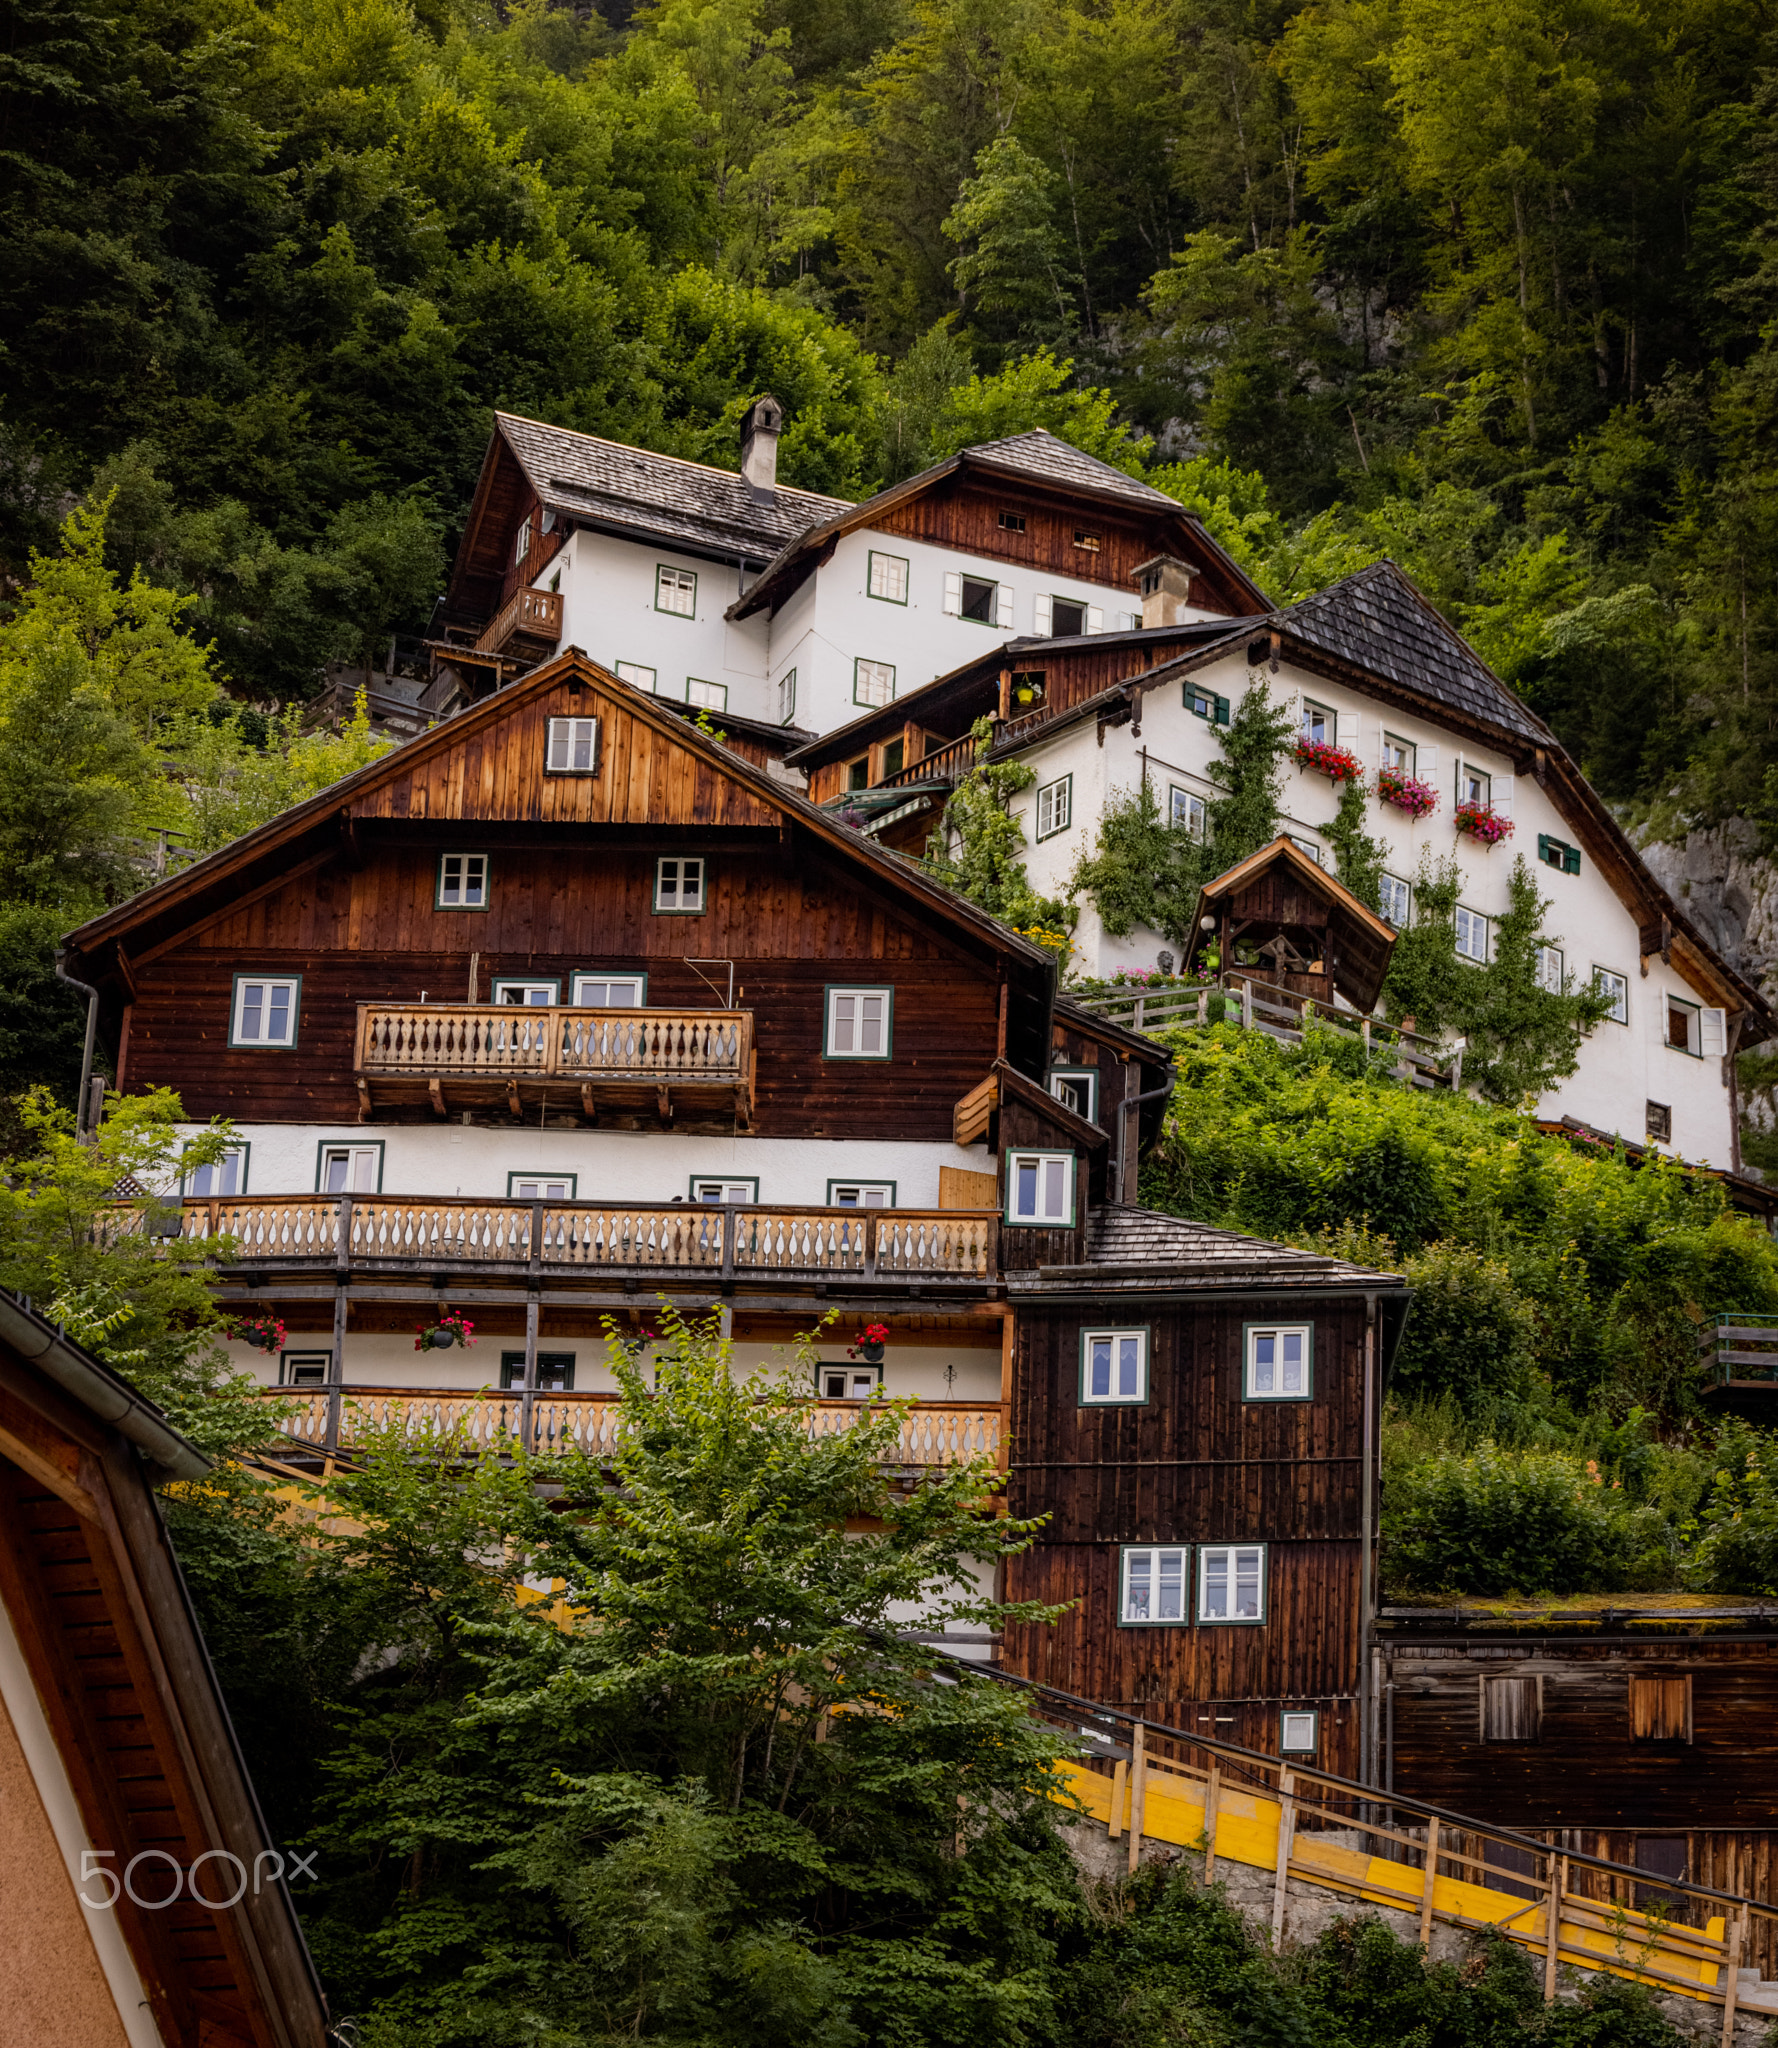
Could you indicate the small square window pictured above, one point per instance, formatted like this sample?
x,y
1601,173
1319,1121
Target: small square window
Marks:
x,y
1152,1588
1309,846
1558,854
707,1189
304,1368
712,696
1113,1368
979,600
1398,753
349,1169
463,881
787,696
1068,618
858,773
1512,1710
850,1382
641,678
1319,724
894,758
555,1372
1206,704
1040,1188
265,1010
573,746
1076,1088
1280,1362
541,1187
1396,901
888,578
1232,1582
1551,971
609,991
1089,542
1657,1121
676,591
511,993
861,1194
1298,1732
859,1023
1055,806
1474,785
1472,936
873,682
1012,522
1617,987
679,884
1185,812
224,1176
1660,1709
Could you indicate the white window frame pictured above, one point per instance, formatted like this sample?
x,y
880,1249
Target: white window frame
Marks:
x,y
1404,901
1185,809
1477,922
1398,753
1086,1080
315,1366
684,584
1551,968
886,578
639,676
1326,716
1119,1344
266,1007
470,882
787,697
521,541
856,1380
1312,847
362,1179
1232,1553
1053,631
869,676
1467,773
232,1165
1607,981
1155,1577
1055,807
710,696
578,982
524,992
1295,1740
1252,1335
867,1194
517,1183
1047,1215
739,1190
856,1022
572,747
687,869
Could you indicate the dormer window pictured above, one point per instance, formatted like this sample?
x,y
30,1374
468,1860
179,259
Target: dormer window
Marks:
x,y
1012,522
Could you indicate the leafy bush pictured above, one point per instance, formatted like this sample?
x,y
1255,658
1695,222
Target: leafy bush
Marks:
x,y
1470,1332
1736,1531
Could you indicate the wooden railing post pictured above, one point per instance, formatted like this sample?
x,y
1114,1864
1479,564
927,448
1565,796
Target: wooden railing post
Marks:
x,y
1246,1006
1552,1941
870,1244
1212,1798
528,1393
1117,1799
336,1371
1732,1984
1286,1833
1430,1881
1138,1791
730,1223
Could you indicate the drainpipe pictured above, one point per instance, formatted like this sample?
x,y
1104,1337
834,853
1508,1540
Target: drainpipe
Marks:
x,y
81,1117
1131,1102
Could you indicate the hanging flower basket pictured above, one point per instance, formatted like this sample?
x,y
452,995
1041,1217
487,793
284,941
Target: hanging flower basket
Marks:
x,y
1395,786
1484,824
450,1330
264,1333
1338,764
869,1343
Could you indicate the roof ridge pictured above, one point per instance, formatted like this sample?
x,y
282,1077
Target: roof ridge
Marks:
x,y
659,455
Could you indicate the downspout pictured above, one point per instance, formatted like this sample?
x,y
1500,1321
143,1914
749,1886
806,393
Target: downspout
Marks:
x,y
1131,1102
81,1118
1367,1703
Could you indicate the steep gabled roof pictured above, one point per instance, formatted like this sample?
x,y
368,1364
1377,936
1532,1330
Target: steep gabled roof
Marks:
x,y
1133,1250
1046,458
1362,941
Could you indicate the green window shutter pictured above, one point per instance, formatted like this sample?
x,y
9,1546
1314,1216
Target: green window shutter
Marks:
x,y
1543,847
1222,711
1571,860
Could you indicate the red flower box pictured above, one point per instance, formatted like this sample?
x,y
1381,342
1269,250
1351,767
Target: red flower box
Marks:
x,y
1338,764
1395,786
1482,823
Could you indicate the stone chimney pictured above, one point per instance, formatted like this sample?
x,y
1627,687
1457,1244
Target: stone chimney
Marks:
x,y
761,425
1166,587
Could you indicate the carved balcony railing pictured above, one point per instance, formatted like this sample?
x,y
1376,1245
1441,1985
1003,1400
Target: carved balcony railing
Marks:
x,y
469,1055
530,622
626,1238
932,1432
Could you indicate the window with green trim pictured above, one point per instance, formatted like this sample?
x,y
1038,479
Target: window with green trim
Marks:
x,y
888,578
1113,1368
1206,704
1280,1361
1152,1579
676,591
1558,854
1231,1582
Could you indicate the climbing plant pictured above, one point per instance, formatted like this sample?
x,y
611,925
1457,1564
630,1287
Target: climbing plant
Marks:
x,y
1358,858
978,846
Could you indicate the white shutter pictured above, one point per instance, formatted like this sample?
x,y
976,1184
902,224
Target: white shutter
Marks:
x,y
1426,764
1713,1033
1501,796
1040,617
1095,619
1456,777
1346,730
1657,1017
954,593
1003,606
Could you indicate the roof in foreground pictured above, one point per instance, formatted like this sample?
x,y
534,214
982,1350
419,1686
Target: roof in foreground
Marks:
x,y
1136,1250
1581,1614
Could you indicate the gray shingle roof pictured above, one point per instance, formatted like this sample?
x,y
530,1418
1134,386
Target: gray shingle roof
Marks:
x,y
1376,620
1040,454
1129,1250
660,496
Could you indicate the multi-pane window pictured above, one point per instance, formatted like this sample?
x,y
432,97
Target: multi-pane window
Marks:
x,y
1297,1731
1398,753
224,1176
1153,1583
713,696
1311,847
1474,785
1617,987
889,578
1558,854
858,1022
1206,704
1040,1187
850,1382
517,994
676,591
463,881
1279,1361
1113,1367
541,1187
349,1170
679,883
555,1371
1076,1088
521,541
1012,522
1472,936
610,991
861,1194
1185,811
1550,969
1320,725
640,677
265,1010
1396,901
715,1190
1086,540
787,696
1231,1582
573,746
1055,806
873,682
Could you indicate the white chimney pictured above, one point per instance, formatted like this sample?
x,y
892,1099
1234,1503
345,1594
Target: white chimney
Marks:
x,y
761,425
1166,587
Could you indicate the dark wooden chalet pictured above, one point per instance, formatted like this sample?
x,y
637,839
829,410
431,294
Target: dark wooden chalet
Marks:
x,y
1280,917
140,1898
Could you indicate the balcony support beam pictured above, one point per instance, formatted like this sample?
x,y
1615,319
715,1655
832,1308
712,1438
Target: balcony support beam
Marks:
x,y
435,1092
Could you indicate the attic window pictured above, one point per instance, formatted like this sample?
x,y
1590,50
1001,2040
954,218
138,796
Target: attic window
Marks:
x,y
1088,541
521,546
573,746
858,773
1012,522
1558,854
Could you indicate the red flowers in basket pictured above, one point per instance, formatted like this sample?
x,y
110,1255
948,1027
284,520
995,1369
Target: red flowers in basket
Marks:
x,y
1482,823
450,1329
1338,764
869,1342
263,1332
1396,786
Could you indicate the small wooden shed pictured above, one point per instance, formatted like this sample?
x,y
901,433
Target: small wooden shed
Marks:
x,y
1279,917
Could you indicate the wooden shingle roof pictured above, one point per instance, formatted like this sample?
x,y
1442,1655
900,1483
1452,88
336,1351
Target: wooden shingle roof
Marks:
x,y
1134,1251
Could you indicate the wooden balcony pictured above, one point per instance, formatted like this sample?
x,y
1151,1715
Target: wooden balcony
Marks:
x,y
415,1235
694,1066
1739,1352
529,623
933,1433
